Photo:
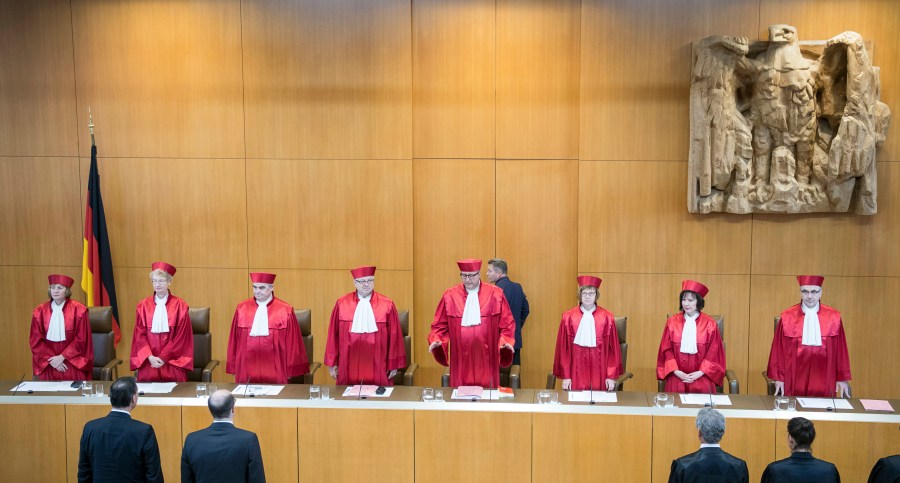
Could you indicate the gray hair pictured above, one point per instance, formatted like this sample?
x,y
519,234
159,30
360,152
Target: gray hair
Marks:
x,y
711,424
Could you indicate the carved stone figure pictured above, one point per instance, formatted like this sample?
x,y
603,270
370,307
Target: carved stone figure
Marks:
x,y
784,127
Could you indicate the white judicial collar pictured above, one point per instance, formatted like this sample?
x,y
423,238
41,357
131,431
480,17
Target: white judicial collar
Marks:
x,y
261,319
160,315
586,336
472,311
689,334
364,317
56,331
812,333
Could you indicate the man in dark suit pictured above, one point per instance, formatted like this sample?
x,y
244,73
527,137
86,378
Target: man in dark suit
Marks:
x,y
801,466
116,447
886,470
222,453
710,464
515,297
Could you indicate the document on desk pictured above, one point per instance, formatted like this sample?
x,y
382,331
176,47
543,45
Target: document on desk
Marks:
x,y
366,391
704,399
156,387
824,403
877,405
256,390
44,386
596,396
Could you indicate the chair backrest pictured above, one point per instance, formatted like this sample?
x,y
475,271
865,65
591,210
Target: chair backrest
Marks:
x,y
621,328
103,338
403,315
199,317
304,319
777,321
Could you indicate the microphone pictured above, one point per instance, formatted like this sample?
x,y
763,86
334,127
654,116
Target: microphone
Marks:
x,y
359,394
710,404
247,387
591,385
19,384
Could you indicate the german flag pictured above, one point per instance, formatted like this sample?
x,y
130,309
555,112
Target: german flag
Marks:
x,y
97,273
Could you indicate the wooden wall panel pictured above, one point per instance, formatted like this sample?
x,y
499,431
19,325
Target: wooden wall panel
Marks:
x,y
454,56
454,218
37,80
42,211
632,219
538,59
163,78
34,446
635,72
330,214
537,220
328,79
157,210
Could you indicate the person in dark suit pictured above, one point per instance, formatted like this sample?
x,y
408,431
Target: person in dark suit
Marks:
x,y
886,470
801,467
222,453
118,448
710,464
515,297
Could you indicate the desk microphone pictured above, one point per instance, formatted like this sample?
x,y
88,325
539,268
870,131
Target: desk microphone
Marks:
x,y
359,394
247,387
710,404
19,384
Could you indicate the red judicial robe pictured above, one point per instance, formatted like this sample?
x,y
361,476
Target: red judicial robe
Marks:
x,y
587,367
710,356
475,354
175,347
77,349
271,359
809,370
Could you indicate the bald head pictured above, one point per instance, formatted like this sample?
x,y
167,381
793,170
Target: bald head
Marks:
x,y
221,404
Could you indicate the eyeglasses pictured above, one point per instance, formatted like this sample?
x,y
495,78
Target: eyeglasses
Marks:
x,y
365,282
158,282
810,292
469,276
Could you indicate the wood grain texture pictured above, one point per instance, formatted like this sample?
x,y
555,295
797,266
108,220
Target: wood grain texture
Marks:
x,y
34,442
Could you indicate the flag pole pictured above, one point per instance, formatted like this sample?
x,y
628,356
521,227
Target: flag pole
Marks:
x,y
91,124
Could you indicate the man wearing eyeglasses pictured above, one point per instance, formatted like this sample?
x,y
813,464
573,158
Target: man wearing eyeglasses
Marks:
x,y
473,330
809,351
365,342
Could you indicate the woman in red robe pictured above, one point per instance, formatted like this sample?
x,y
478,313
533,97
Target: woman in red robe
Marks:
x,y
62,348
587,345
691,358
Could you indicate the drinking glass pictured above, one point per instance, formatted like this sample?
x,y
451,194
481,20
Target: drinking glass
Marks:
x,y
315,392
98,390
544,397
662,399
87,389
326,393
439,395
201,390
428,394
781,403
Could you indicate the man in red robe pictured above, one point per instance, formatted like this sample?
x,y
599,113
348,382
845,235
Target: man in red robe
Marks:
x,y
365,342
809,351
61,344
265,345
162,346
474,326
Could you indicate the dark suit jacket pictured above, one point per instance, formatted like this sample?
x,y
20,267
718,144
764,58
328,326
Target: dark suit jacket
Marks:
x,y
800,468
117,448
886,470
709,465
222,453
518,304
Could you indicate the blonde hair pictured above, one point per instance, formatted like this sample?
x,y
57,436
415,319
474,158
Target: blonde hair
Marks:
x,y
161,273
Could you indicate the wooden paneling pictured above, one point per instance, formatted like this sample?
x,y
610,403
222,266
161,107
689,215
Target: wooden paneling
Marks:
x,y
42,211
541,252
632,218
330,214
538,62
748,439
356,445
163,78
37,80
33,436
454,78
328,79
157,210
635,72
472,446
562,443
454,219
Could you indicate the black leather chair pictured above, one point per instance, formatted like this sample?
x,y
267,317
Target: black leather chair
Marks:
x,y
304,319
204,364
621,328
734,386
106,365
406,376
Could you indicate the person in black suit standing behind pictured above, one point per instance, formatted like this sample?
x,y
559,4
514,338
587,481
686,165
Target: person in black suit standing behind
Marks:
x,y
710,464
116,447
515,296
222,453
801,466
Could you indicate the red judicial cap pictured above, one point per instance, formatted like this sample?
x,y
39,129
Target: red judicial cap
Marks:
x,y
165,267
810,280
61,280
469,265
359,272
589,281
693,286
260,277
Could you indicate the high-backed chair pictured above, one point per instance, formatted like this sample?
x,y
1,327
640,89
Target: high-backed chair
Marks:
x,y
734,386
304,319
105,362
770,383
621,328
204,364
406,375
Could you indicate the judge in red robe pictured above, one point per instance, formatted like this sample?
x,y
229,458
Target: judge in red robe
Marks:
x,y
62,348
587,344
691,358
162,346
264,345
365,342
809,351
473,330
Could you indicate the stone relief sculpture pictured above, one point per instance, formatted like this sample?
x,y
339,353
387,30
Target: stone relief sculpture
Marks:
x,y
780,127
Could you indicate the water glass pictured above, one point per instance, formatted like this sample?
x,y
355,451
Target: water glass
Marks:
x,y
792,404
326,393
428,394
439,395
201,390
315,392
543,397
98,390
554,397
781,403
87,389
662,400
211,388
